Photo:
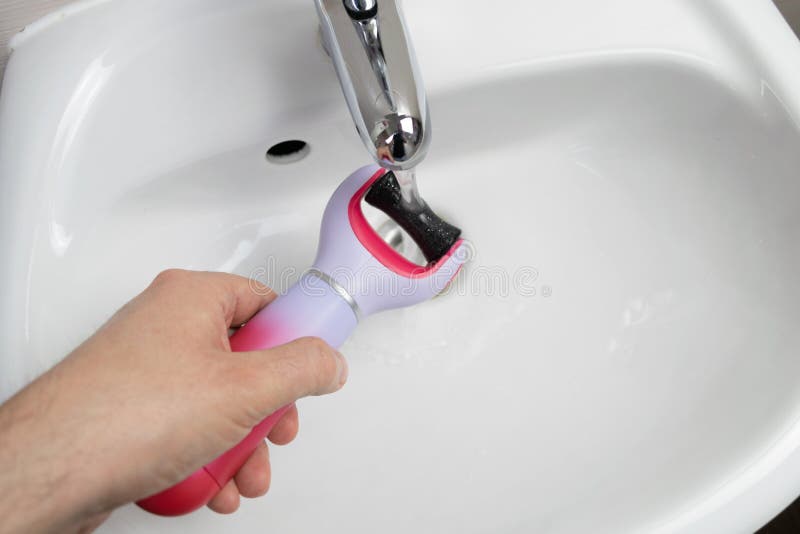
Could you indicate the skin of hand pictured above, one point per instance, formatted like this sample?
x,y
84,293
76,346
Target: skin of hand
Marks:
x,y
154,395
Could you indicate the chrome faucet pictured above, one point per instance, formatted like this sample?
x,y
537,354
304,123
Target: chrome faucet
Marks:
x,y
377,68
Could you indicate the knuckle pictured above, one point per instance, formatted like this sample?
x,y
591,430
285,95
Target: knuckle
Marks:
x,y
170,276
315,346
322,360
262,290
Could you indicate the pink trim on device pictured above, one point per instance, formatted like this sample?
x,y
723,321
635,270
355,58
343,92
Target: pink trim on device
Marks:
x,y
386,255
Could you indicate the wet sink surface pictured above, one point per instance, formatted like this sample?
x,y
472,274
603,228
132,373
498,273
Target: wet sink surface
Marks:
x,y
624,341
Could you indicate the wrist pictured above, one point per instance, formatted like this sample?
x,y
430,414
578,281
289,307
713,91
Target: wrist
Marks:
x,y
40,486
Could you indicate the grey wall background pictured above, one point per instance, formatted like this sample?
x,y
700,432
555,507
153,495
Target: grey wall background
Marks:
x,y
791,10
16,14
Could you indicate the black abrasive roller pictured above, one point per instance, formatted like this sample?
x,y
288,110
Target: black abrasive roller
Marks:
x,y
434,236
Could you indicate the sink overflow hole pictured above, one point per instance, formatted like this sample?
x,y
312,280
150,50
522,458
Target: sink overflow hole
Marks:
x,y
288,151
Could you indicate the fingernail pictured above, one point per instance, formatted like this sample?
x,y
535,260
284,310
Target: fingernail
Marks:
x,y
343,372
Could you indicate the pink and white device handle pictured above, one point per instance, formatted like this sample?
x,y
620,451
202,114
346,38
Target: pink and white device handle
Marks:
x,y
310,308
326,302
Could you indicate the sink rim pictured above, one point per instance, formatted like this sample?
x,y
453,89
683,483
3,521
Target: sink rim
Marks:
x,y
761,487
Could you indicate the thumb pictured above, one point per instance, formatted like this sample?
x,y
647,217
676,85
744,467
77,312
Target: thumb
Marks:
x,y
307,366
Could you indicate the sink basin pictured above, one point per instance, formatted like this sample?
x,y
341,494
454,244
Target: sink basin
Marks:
x,y
620,355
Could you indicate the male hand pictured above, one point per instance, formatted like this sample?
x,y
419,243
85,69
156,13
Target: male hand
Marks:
x,y
154,395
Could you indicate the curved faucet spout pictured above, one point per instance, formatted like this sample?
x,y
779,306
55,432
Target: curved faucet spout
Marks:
x,y
377,68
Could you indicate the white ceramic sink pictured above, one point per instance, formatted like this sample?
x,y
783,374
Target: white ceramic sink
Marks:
x,y
637,162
